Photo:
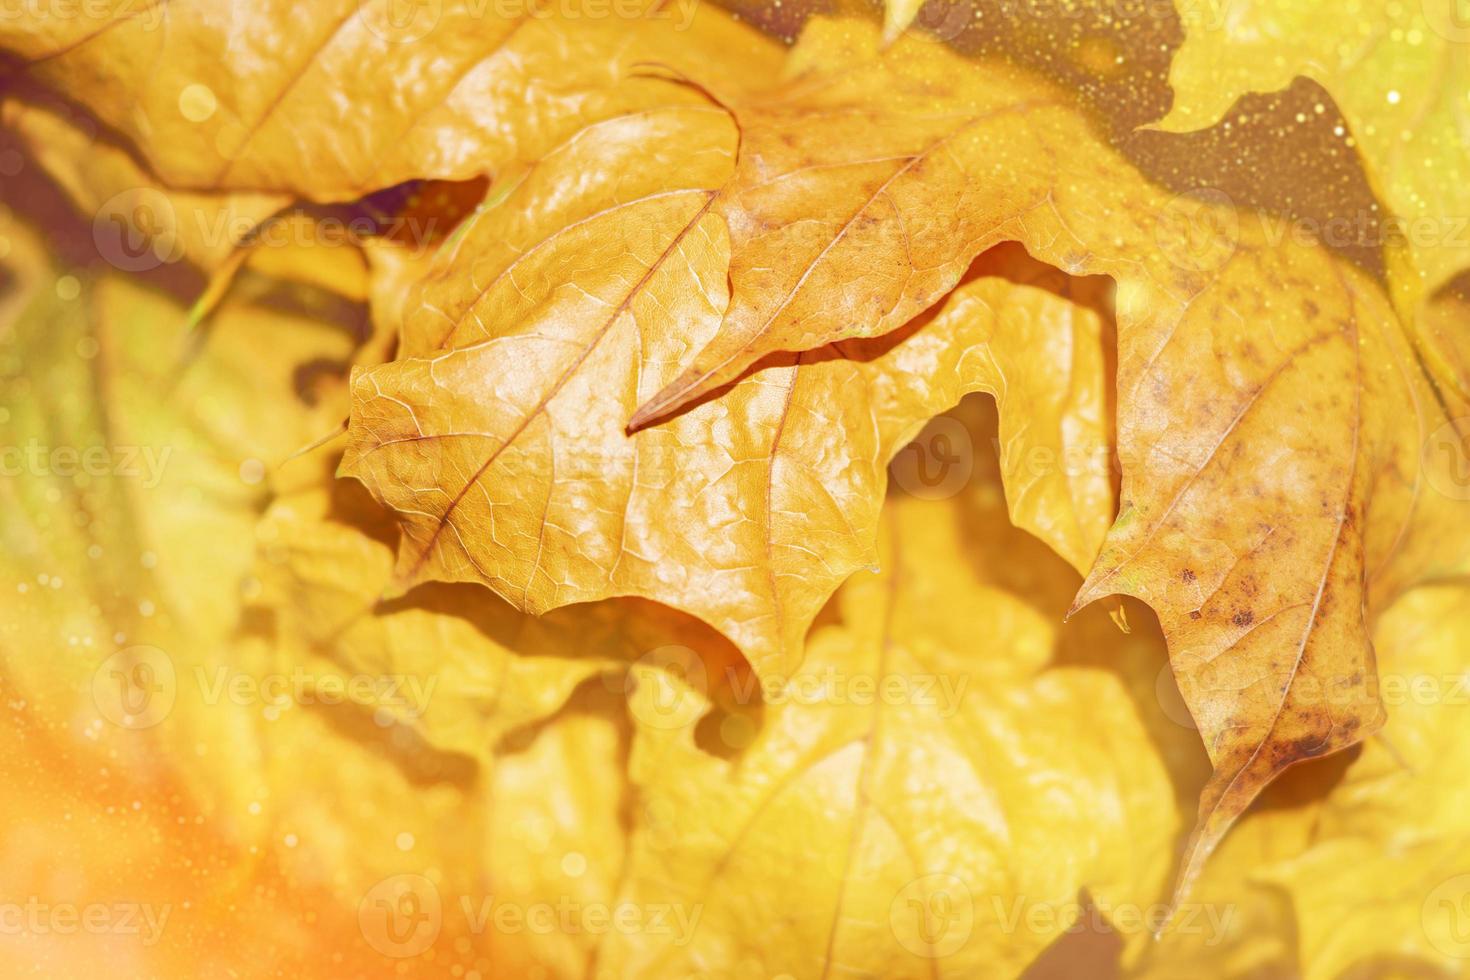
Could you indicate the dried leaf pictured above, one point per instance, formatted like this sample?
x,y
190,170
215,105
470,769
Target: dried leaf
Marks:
x,y
922,793
1250,369
332,100
498,434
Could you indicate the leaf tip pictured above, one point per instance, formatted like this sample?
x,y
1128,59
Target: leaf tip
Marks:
x,y
654,409
396,588
318,443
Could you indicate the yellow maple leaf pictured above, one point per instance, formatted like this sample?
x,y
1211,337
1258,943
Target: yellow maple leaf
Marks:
x,y
1293,395
335,99
678,351
919,791
498,434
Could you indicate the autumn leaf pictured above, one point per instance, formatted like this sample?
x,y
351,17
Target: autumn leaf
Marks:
x,y
563,839
670,602
325,562
1302,389
322,578
905,783
1440,326
338,99
498,435
257,754
137,226
158,456
828,236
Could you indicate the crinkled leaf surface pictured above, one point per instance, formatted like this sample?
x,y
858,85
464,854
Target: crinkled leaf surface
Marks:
x,y
1270,470
331,100
1354,866
474,669
924,793
498,435
1274,431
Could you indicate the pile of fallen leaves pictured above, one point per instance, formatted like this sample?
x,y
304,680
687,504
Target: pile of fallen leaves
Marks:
x,y
508,489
